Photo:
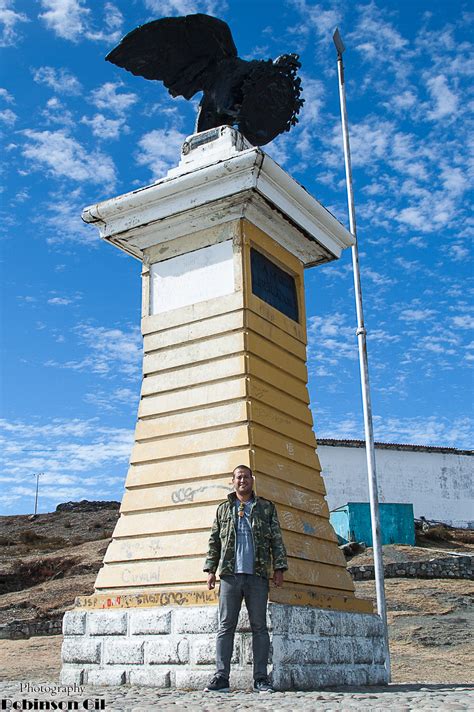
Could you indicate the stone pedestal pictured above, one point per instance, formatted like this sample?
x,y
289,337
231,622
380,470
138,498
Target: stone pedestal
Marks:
x,y
175,647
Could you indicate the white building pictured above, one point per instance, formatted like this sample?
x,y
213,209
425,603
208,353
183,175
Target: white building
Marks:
x,y
438,481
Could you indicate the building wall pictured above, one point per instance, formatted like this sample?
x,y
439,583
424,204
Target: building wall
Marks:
x,y
438,484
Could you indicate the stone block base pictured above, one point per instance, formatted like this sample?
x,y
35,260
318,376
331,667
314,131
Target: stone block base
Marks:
x,y
175,647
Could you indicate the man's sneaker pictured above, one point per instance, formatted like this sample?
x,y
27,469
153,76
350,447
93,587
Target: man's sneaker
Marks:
x,y
262,686
218,684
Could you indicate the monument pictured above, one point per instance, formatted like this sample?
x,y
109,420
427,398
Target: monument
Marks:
x,y
224,240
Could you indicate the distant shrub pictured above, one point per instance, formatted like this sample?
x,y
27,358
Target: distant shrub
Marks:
x,y
29,537
40,542
5,541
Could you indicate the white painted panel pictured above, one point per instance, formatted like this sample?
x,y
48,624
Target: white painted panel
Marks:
x,y
193,277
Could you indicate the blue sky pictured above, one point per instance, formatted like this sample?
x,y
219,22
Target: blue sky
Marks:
x,y
77,130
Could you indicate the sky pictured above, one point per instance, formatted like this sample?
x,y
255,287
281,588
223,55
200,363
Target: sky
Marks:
x,y
77,130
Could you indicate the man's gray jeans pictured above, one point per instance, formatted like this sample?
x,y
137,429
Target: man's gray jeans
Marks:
x,y
254,590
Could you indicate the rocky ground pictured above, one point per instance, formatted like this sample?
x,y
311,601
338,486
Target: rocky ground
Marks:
x,y
48,561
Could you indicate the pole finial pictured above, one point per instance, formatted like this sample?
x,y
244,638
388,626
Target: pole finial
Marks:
x,y
338,41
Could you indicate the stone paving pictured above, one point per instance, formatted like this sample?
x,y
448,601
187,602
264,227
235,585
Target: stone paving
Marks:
x,y
395,697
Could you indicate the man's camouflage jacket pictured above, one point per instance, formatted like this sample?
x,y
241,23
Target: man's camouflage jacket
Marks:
x,y
268,544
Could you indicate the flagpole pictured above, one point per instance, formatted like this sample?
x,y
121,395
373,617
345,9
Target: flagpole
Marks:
x,y
364,366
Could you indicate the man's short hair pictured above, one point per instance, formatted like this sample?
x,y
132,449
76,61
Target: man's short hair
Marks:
x,y
241,467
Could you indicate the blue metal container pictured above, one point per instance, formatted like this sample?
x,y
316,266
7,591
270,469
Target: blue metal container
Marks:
x,y
352,523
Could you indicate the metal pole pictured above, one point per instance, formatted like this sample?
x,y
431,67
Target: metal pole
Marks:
x,y
364,366
37,487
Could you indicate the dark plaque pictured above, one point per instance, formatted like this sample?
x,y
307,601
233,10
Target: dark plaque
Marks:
x,y
273,285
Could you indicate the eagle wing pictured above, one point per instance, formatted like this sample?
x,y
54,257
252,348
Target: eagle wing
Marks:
x,y
179,51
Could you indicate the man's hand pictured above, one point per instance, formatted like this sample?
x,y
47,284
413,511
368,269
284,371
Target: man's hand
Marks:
x,y
211,581
277,578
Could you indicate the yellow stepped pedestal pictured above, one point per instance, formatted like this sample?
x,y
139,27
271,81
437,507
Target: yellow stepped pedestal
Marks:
x,y
224,379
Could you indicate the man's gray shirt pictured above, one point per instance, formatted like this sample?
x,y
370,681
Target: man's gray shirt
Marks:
x,y
244,551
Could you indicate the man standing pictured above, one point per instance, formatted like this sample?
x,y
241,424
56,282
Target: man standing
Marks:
x,y
245,541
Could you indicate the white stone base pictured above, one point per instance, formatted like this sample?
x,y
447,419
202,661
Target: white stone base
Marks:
x,y
175,647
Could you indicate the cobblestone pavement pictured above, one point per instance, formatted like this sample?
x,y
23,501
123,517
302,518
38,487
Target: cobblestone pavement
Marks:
x,y
416,696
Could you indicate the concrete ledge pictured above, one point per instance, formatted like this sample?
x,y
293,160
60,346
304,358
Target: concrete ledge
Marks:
x,y
108,623
106,677
169,650
80,650
74,623
175,647
149,622
150,677
72,676
123,652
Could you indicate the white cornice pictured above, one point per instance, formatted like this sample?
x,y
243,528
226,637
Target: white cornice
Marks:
x,y
216,193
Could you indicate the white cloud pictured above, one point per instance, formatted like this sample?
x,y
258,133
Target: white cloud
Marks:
x,y
444,100
416,314
409,155
379,43
407,265
416,430
67,158
57,113
295,150
431,430
160,150
111,352
470,351
54,429
57,79
418,241
71,20
64,450
382,336
67,18
453,179
466,321
105,128
166,8
381,280
113,21
414,217
26,299
112,400
318,18
61,301
330,339
8,117
371,141
459,252
436,206
403,101
9,18
61,221
108,97
6,96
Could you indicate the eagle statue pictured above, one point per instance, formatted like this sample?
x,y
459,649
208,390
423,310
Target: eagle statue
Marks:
x,y
197,53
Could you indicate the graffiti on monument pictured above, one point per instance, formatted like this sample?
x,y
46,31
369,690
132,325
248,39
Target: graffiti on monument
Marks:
x,y
147,600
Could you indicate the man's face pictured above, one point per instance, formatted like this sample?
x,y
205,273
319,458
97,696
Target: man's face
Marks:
x,y
243,481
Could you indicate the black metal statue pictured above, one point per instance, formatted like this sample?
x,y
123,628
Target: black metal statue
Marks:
x,y
197,53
